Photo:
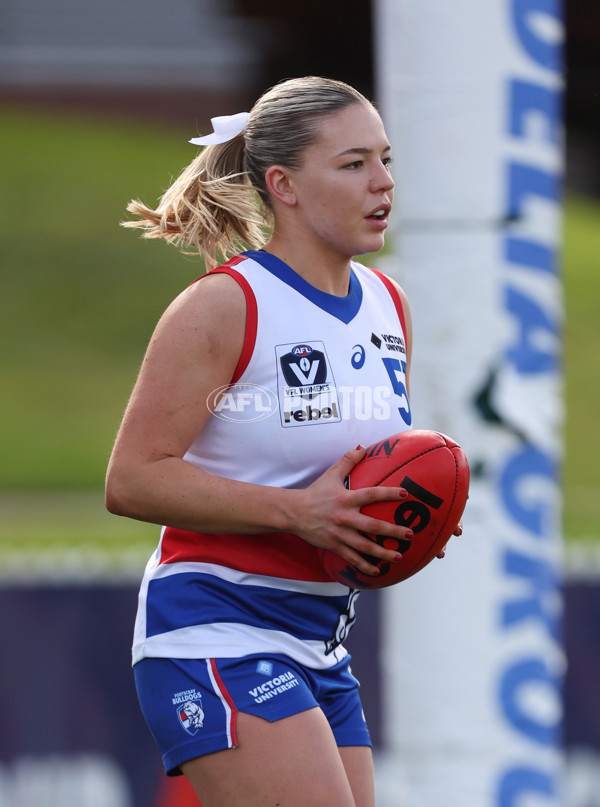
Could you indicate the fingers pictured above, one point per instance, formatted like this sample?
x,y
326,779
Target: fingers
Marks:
x,y
345,535
345,464
382,493
368,555
357,547
355,544
457,531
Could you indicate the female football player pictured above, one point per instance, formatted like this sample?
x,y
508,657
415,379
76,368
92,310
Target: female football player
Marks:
x,y
258,383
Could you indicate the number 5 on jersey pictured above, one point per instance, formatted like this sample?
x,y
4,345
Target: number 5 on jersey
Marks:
x,y
396,370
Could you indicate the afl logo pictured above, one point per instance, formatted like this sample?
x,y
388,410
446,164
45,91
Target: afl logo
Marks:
x,y
302,350
243,403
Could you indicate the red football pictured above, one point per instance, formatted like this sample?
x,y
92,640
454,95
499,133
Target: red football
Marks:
x,y
434,470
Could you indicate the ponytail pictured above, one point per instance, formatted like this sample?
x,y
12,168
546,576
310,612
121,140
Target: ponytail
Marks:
x,y
220,203
210,208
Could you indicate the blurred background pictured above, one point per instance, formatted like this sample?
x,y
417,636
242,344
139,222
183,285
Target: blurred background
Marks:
x,y
97,102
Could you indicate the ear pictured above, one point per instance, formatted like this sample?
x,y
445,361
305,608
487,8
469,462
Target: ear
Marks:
x,y
280,185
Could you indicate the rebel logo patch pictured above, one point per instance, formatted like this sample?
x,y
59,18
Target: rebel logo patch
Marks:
x,y
306,387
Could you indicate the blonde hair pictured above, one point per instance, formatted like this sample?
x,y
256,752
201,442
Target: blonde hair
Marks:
x,y
220,203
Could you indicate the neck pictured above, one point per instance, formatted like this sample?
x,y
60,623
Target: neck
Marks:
x,y
327,272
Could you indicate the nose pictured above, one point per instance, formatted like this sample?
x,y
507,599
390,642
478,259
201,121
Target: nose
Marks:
x,y
382,179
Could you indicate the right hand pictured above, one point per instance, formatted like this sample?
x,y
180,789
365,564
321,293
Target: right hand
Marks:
x,y
331,517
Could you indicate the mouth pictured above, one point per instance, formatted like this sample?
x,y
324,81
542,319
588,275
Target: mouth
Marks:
x,y
380,214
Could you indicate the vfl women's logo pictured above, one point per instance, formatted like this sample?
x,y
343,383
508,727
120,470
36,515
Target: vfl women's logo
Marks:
x,y
306,387
191,716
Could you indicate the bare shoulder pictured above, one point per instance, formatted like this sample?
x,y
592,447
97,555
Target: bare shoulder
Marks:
x,y
210,298
210,313
194,350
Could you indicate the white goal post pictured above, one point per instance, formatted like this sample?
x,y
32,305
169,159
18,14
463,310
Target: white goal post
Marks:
x,y
470,92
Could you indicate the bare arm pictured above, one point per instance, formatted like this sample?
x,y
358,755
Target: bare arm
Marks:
x,y
194,350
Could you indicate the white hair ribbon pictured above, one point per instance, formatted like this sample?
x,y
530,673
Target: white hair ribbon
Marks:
x,y
225,128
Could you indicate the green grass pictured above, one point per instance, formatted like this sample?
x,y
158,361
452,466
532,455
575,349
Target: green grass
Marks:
x,y
581,367
80,299
81,296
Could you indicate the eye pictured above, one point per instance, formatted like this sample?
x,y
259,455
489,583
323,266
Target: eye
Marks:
x,y
354,165
387,161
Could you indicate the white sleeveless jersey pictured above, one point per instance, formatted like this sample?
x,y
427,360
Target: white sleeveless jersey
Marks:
x,y
318,374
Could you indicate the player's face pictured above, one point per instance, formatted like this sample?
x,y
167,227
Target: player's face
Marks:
x,y
344,188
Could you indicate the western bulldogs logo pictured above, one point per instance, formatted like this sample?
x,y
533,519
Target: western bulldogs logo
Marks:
x,y
191,716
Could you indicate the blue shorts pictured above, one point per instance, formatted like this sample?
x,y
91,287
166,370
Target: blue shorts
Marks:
x,y
191,705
